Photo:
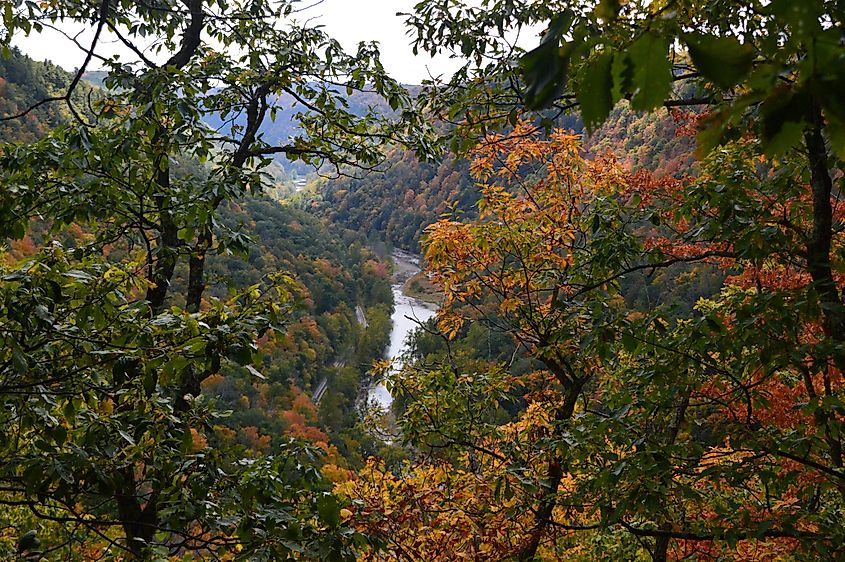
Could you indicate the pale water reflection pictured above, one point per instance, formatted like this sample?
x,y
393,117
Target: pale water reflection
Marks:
x,y
407,314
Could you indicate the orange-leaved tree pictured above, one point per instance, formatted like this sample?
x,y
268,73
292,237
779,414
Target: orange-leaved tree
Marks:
x,y
638,432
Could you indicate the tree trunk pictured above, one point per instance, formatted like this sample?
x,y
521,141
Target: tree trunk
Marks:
x,y
547,498
138,518
139,524
167,242
661,543
818,247
196,266
819,267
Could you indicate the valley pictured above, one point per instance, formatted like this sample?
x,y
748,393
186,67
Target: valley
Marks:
x,y
575,293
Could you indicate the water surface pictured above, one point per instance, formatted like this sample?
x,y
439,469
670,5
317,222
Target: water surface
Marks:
x,y
408,313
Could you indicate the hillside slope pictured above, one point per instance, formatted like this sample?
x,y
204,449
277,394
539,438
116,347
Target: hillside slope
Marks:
x,y
333,274
399,202
23,83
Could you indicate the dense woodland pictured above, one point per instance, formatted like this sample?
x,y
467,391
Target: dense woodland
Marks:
x,y
398,201
633,222
26,82
323,340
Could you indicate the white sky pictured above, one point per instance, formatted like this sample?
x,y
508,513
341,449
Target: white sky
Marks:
x,y
352,21
348,21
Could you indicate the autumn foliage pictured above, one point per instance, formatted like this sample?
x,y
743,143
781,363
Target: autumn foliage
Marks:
x,y
713,435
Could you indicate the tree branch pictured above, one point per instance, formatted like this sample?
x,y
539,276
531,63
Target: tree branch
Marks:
x,y
104,12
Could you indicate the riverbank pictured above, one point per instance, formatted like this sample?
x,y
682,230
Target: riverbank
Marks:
x,y
420,287
405,266
415,283
408,313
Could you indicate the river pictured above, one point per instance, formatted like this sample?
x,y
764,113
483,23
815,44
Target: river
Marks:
x,y
408,312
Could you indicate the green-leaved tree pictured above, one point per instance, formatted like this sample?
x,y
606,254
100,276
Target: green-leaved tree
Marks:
x,y
102,359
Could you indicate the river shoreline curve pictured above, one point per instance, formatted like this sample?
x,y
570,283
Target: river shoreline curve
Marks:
x,y
408,314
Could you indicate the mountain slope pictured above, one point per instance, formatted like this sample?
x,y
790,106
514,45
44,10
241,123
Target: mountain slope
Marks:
x,y
334,273
408,195
23,83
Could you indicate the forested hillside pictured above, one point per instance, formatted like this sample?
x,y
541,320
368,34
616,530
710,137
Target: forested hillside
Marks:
x,y
23,83
660,142
331,273
399,202
323,341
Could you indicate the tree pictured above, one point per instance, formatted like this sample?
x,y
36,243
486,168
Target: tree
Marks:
x,y
642,433
710,430
102,360
780,58
763,68
550,232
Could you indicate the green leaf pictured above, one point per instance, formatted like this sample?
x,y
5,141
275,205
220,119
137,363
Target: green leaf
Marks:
x,y
28,542
836,134
547,66
329,510
595,91
187,442
242,355
628,341
59,435
652,71
803,17
149,382
783,117
724,60
622,74
19,361
608,10
126,437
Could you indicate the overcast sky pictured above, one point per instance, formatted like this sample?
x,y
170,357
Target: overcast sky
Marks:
x,y
349,21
